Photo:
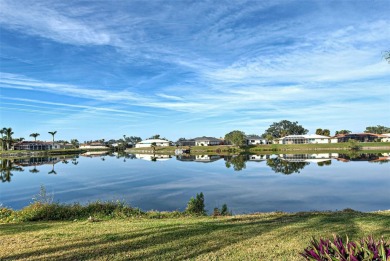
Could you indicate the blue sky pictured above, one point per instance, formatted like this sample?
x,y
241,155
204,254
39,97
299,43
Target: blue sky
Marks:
x,y
102,69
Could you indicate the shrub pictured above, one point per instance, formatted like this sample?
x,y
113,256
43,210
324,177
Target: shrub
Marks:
x,y
354,145
363,250
5,213
224,211
196,205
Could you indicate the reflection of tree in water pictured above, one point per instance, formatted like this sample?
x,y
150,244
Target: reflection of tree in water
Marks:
x,y
75,161
7,166
238,162
360,156
52,169
282,166
324,163
34,170
125,156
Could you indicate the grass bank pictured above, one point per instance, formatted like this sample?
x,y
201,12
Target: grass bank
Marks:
x,y
38,153
270,236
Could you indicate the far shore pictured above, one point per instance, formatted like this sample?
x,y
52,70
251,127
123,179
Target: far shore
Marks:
x,y
366,147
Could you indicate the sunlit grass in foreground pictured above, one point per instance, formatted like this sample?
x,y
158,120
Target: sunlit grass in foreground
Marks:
x,y
270,236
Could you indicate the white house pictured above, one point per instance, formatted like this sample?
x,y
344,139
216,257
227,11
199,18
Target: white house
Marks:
x,y
304,139
255,140
150,142
385,137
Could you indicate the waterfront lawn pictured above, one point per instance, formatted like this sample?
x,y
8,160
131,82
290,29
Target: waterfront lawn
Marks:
x,y
271,236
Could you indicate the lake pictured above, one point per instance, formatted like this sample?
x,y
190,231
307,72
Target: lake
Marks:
x,y
246,183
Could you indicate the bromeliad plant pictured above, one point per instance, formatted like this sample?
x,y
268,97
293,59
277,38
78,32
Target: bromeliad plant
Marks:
x,y
363,250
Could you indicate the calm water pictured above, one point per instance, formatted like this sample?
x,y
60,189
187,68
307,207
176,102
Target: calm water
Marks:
x,y
247,183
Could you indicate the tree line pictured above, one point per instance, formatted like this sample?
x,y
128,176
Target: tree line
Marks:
x,y
284,128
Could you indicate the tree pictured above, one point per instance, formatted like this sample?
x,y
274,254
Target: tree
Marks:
x,y
236,138
157,136
196,205
284,128
342,132
324,132
377,129
75,143
8,137
53,133
34,135
3,140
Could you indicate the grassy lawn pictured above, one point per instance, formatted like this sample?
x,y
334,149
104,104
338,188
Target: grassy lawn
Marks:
x,y
272,236
39,152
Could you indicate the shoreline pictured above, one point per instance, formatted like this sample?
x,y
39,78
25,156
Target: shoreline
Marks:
x,y
220,150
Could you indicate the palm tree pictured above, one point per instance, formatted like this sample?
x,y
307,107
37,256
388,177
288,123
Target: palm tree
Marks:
x,y
8,134
2,132
53,133
35,135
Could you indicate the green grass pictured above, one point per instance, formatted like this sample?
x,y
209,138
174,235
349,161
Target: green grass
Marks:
x,y
19,153
271,236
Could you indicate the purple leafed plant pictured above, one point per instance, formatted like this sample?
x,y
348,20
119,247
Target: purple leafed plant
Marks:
x,y
336,250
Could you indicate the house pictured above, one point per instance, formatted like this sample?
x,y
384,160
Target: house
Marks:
x,y
148,143
207,158
362,137
255,140
36,145
207,141
385,137
93,146
304,139
185,142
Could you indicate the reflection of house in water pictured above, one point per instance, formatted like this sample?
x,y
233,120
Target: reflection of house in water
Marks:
x,y
315,158
91,154
199,158
370,157
153,157
207,158
257,157
36,161
185,157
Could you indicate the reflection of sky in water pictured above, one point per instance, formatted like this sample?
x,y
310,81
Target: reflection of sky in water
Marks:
x,y
169,184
